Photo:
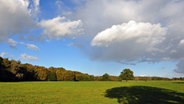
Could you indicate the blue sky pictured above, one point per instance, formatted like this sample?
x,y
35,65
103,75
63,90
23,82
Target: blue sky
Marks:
x,y
96,36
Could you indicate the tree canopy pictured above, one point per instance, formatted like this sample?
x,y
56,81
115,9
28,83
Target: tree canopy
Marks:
x,y
127,74
105,77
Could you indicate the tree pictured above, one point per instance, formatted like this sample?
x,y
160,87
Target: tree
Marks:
x,y
105,77
41,73
69,75
126,74
60,72
14,66
52,74
26,72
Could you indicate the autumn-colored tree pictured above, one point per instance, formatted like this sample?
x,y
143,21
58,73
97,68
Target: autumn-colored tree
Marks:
x,y
14,66
41,73
60,73
6,64
69,75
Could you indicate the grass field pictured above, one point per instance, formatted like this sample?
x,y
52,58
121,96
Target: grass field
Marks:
x,y
132,92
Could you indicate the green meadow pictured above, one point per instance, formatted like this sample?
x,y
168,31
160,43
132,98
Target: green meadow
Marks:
x,y
92,92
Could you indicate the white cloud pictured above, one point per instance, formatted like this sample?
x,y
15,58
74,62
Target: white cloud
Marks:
x,y
28,57
32,47
129,41
15,17
12,43
140,33
60,27
3,54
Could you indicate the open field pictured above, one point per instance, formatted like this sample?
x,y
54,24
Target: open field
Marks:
x,y
134,92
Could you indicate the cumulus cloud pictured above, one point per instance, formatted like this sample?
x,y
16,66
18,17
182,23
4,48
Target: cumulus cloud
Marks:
x,y
15,17
28,57
60,27
130,41
140,33
32,47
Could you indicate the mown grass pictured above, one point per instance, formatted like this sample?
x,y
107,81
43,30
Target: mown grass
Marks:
x,y
91,92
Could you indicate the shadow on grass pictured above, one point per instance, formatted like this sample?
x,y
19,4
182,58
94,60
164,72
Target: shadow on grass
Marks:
x,y
145,95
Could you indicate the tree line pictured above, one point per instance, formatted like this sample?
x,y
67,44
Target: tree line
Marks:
x,y
12,70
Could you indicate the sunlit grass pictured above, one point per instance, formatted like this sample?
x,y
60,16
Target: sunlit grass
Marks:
x,y
71,92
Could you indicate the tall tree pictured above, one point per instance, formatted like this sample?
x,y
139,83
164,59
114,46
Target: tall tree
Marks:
x,y
127,74
105,77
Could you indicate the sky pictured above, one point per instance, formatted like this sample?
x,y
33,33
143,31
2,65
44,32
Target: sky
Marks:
x,y
96,36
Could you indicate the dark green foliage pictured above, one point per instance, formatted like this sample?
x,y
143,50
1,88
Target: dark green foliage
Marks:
x,y
145,95
149,78
105,77
25,72
6,76
52,75
126,74
1,62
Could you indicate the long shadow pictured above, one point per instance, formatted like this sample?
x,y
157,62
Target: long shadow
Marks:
x,y
145,95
